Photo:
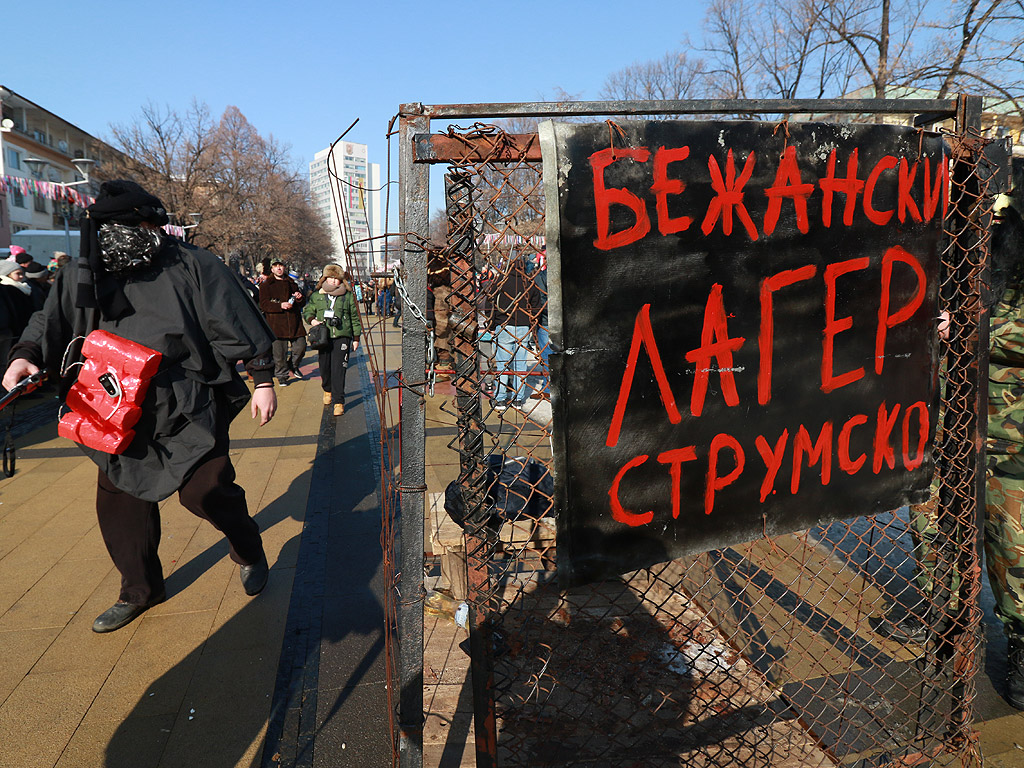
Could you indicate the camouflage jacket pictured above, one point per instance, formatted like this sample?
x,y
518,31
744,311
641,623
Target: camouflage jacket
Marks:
x,y
1006,376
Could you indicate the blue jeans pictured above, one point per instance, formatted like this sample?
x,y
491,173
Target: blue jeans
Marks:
x,y
539,378
511,359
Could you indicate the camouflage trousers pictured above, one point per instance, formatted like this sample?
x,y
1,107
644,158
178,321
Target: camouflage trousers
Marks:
x,y
1004,536
1004,518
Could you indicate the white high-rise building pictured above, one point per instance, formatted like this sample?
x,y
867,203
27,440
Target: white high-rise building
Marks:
x,y
356,216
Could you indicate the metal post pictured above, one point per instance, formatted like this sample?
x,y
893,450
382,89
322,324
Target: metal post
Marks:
x,y
414,183
961,510
472,467
969,121
67,231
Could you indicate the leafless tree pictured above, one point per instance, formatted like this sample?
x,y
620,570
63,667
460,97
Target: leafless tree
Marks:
x,y
253,203
978,46
674,76
830,48
171,154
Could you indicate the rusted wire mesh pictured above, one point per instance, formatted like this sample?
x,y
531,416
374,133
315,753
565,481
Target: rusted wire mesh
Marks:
x,y
779,652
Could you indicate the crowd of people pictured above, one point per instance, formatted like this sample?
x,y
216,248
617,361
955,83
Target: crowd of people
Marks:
x,y
24,284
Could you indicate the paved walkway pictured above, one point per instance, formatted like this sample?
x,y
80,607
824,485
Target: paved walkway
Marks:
x,y
212,677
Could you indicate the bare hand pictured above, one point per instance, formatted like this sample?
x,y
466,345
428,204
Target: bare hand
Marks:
x,y
18,370
314,321
355,345
264,404
944,326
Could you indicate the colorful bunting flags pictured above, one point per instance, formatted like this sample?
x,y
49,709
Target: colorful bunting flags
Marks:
x,y
48,189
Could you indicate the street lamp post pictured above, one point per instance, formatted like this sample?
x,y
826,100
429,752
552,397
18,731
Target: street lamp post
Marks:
x,y
83,165
196,219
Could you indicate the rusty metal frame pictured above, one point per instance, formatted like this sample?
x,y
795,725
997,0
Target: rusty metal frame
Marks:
x,y
414,181
418,150
934,109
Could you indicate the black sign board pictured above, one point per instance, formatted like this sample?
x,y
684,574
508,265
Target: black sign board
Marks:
x,y
744,319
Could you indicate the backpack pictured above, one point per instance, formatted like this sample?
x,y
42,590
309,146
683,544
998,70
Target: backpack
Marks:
x,y
514,486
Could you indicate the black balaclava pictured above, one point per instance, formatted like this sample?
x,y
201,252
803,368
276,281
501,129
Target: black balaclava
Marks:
x,y
108,249
1007,255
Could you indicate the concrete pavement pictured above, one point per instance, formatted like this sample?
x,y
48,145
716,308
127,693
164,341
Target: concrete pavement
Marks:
x,y
212,677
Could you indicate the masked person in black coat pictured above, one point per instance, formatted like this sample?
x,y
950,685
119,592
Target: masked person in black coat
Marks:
x,y
143,286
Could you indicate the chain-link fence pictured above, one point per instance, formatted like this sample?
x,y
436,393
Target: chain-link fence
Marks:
x,y
851,644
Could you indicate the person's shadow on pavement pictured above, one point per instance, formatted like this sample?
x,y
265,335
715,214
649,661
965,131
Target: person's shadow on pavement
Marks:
x,y
335,622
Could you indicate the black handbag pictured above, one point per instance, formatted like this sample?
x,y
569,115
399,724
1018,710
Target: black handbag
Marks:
x,y
319,337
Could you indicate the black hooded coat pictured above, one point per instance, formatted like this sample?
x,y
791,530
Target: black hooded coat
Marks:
x,y
191,308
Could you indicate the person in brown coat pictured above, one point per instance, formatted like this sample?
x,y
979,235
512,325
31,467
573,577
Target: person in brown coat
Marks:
x,y
281,302
438,311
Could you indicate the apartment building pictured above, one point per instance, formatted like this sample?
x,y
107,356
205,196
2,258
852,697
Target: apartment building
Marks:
x,y
38,150
346,193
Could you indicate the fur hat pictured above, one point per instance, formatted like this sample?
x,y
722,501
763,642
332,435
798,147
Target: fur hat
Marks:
x,y
330,270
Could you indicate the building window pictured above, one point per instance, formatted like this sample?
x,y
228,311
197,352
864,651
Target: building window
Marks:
x,y
40,203
12,158
17,199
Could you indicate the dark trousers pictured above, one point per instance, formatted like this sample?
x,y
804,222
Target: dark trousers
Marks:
x,y
131,527
288,351
333,364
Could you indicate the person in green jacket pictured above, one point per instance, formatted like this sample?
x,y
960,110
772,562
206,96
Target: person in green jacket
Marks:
x,y
334,303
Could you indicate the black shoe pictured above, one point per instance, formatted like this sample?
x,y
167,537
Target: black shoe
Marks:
x,y
254,577
1015,671
117,616
284,381
899,626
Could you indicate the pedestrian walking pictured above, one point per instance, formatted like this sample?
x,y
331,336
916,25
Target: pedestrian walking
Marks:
x,y
381,302
369,295
334,304
137,286
540,383
20,256
397,304
513,302
281,302
16,305
60,259
438,313
38,280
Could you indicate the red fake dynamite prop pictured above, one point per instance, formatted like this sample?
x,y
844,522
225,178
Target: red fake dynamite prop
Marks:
x,y
105,402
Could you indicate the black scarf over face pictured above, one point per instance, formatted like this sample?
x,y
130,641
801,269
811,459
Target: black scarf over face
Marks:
x,y
119,202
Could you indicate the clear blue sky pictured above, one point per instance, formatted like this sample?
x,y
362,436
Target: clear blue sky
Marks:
x,y
303,71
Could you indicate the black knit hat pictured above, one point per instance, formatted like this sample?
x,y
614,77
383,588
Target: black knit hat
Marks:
x,y
34,270
123,202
